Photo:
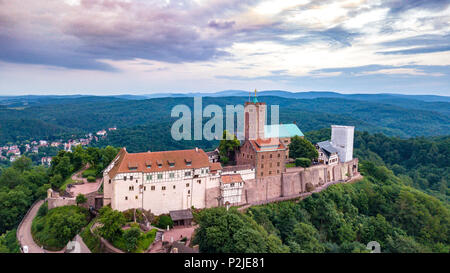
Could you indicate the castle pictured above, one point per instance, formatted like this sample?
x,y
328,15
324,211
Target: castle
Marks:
x,y
177,180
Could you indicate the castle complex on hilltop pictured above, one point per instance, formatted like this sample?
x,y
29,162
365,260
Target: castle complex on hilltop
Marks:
x,y
176,180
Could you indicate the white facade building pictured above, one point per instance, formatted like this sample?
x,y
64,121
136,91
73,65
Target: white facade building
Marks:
x,y
160,181
342,141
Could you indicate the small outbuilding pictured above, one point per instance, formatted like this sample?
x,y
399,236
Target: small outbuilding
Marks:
x,y
181,217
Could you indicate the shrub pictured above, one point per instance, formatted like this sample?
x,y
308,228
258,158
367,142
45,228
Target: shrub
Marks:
x,y
112,221
81,199
164,221
43,210
91,179
89,172
131,237
309,187
302,162
129,215
58,226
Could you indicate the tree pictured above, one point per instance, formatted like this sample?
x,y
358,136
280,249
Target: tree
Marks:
x,y
301,147
131,237
164,221
112,221
303,162
81,199
22,164
227,147
306,238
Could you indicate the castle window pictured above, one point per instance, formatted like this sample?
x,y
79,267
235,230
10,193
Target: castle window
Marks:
x,y
163,188
187,185
199,181
232,185
131,188
262,166
171,175
261,173
125,178
278,171
187,174
262,157
270,155
189,191
126,197
278,164
160,176
109,181
279,154
131,177
173,186
136,197
145,188
152,188
149,177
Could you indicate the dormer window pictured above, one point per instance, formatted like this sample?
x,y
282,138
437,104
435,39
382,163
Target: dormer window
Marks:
x,y
132,166
171,163
188,161
159,163
148,163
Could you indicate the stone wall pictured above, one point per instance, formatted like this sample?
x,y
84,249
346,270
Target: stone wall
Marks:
x,y
60,201
294,180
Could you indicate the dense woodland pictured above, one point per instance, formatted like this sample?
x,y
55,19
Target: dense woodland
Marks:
x,y
422,162
342,218
23,183
62,117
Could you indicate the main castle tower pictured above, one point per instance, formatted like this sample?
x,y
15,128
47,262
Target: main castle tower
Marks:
x,y
254,119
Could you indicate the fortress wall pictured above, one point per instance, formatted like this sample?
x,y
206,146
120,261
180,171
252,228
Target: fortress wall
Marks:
x,y
212,197
294,180
60,201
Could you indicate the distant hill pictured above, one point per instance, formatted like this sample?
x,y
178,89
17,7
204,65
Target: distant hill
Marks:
x,y
394,117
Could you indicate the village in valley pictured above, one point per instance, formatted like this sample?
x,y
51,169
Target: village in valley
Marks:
x,y
31,148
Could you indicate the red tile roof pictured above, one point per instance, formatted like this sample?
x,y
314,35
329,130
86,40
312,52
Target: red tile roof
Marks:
x,y
216,166
269,144
231,178
140,161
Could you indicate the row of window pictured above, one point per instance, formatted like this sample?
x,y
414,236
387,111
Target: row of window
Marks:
x,y
162,188
131,188
270,165
270,172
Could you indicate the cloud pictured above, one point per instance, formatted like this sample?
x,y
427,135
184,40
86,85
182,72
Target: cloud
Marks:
x,y
417,50
399,6
400,71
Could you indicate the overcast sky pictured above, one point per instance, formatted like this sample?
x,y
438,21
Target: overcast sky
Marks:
x,y
146,46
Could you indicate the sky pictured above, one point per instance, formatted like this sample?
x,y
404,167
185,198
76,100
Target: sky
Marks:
x,y
105,47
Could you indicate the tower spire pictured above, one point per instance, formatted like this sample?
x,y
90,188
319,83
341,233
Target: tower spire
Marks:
x,y
255,99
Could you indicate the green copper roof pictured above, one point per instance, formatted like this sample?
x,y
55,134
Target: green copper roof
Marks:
x,y
255,99
282,130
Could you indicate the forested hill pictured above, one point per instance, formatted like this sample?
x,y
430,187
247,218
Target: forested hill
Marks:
x,y
421,162
342,218
402,117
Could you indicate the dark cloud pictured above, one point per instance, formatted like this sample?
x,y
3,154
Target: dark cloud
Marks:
x,y
221,25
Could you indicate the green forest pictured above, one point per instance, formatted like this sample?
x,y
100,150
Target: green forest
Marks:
x,y
23,183
64,117
340,219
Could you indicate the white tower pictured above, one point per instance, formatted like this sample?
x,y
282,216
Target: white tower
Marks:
x,y
342,140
